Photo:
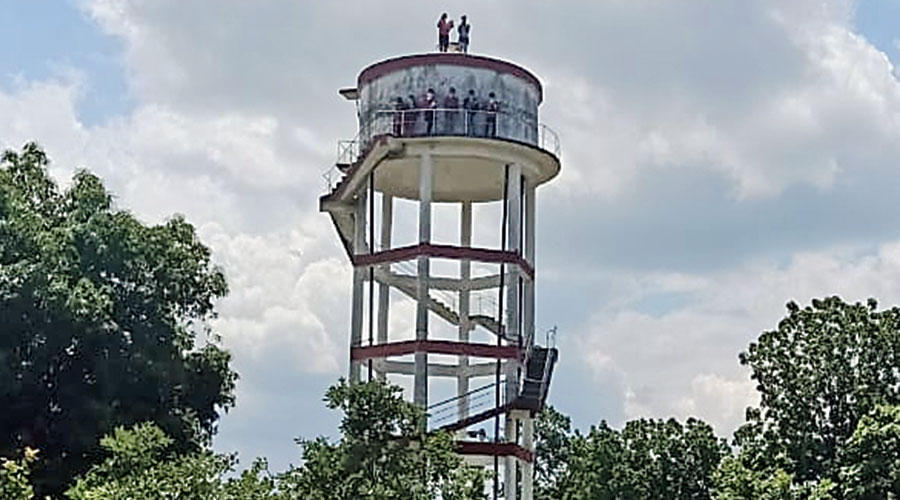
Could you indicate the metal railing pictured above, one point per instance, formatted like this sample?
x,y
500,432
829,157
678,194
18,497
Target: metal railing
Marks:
x,y
447,411
424,122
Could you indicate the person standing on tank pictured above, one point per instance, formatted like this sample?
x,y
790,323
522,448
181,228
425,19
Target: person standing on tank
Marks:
x,y
470,103
463,33
411,116
430,107
451,113
492,108
444,26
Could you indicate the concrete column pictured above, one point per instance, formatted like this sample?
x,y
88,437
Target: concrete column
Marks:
x,y
359,276
384,290
420,389
513,238
528,467
528,316
509,474
465,275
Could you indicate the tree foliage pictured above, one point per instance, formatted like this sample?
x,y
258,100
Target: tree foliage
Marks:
x,y
824,368
383,454
14,482
648,459
870,463
99,315
143,464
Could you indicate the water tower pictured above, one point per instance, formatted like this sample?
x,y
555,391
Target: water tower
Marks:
x,y
435,203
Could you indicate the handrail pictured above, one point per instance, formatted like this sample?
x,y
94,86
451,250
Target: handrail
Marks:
x,y
414,122
460,121
448,409
545,379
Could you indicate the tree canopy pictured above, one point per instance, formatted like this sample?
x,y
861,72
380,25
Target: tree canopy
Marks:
x,y
647,459
383,453
825,367
100,316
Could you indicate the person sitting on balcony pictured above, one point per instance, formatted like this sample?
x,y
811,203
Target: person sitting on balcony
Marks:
x,y
399,119
444,26
463,30
451,104
471,105
492,108
430,106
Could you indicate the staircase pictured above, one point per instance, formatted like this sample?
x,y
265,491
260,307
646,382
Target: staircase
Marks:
x,y
481,405
539,370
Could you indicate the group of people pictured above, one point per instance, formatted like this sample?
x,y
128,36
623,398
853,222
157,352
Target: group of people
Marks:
x,y
406,114
445,26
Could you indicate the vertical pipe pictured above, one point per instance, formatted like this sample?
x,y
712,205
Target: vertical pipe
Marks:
x,y
420,390
384,290
465,275
356,315
371,270
500,333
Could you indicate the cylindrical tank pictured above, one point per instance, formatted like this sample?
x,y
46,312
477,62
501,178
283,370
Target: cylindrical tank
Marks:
x,y
517,91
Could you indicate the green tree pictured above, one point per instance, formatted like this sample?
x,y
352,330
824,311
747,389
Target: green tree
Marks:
x,y
824,368
870,463
14,482
99,316
553,438
144,464
647,460
735,481
383,454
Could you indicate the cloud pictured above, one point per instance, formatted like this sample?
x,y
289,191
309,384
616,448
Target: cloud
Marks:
x,y
683,361
717,159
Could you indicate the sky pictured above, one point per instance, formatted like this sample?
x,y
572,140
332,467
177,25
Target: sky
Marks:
x,y
719,159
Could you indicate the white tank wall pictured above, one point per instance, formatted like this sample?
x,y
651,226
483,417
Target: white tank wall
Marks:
x,y
518,97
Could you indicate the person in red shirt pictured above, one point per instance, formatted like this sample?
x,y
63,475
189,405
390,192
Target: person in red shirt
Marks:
x,y
444,26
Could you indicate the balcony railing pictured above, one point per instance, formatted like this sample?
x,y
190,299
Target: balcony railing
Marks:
x,y
425,122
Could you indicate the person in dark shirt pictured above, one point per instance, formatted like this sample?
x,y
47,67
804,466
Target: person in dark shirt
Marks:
x,y
463,31
444,26
430,106
451,115
412,117
400,108
492,108
471,105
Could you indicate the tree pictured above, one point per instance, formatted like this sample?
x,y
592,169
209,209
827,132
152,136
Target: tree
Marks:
x,y
99,316
824,368
143,464
14,483
647,460
735,481
383,454
870,463
553,438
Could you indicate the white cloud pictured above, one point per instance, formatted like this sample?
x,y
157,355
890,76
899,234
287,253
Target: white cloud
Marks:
x,y
684,362
236,116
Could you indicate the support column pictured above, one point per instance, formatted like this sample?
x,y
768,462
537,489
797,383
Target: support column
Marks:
x,y
420,389
513,311
509,475
528,467
465,275
528,301
384,290
513,316
356,315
